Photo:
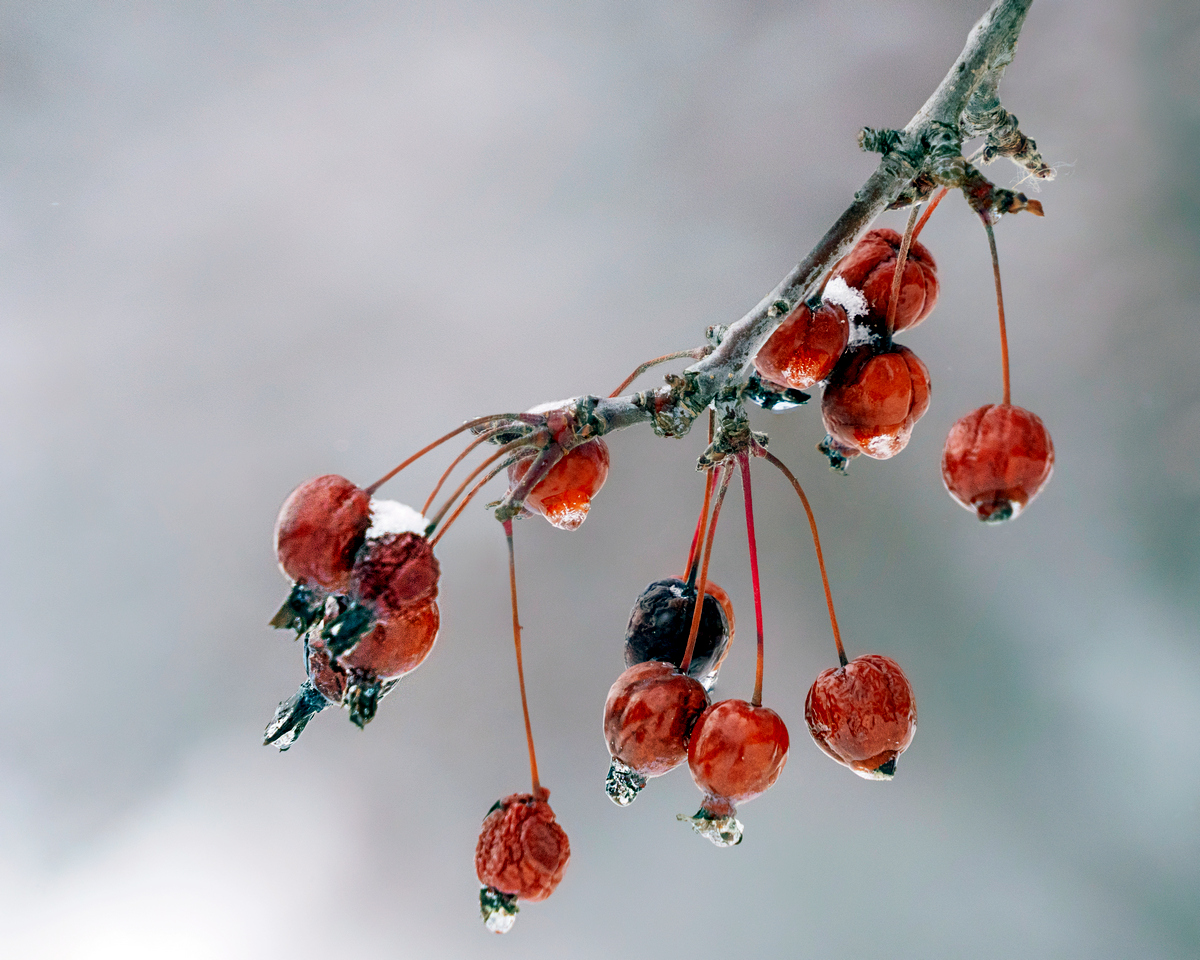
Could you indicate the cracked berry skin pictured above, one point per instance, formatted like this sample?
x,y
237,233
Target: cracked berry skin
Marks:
x,y
661,620
522,851
565,494
804,349
320,528
871,267
996,461
649,715
863,715
874,399
736,753
394,571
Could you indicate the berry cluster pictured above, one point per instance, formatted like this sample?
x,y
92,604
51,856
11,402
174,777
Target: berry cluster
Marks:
x,y
365,579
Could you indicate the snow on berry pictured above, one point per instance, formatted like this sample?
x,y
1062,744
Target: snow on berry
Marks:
x,y
871,266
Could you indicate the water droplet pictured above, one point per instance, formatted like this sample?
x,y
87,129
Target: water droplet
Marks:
x,y
623,783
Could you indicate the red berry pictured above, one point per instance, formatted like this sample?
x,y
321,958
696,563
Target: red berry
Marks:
x,y
648,718
871,266
874,398
522,853
398,643
805,347
996,460
736,753
329,679
565,493
863,715
394,571
320,527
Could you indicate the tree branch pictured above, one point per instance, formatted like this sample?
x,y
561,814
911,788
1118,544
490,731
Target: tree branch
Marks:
x,y
926,153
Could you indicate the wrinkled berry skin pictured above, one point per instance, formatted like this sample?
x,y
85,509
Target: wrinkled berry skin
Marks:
x,y
662,618
522,851
871,266
565,494
320,528
736,753
996,460
649,715
863,715
873,399
805,347
394,571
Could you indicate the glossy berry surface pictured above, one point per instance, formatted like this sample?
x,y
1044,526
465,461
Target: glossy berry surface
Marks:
x,y
394,571
736,753
522,851
874,399
320,528
564,495
996,460
662,618
871,267
804,349
398,643
863,715
649,715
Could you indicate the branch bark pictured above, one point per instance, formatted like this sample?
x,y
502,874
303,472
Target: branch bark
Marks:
x,y
927,152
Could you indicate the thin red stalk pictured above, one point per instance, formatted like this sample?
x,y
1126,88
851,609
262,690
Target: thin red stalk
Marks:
x,y
478,421
744,464
503,451
504,465
898,275
482,438
703,581
512,580
1000,309
690,568
937,198
698,353
812,523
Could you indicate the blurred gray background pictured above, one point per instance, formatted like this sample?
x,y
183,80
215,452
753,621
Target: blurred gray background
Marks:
x,y
245,244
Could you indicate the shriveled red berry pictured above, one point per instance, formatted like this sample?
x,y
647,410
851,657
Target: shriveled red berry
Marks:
x,y
522,853
661,620
996,460
398,643
805,347
564,495
393,571
329,680
648,718
874,398
320,528
871,267
863,715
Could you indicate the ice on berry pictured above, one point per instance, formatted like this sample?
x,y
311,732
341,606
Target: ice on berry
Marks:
x,y
623,783
722,831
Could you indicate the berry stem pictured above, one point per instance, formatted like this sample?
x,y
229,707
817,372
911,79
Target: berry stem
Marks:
x,y
477,422
898,273
697,353
689,572
512,580
999,307
508,448
462,504
937,198
744,465
482,438
703,581
812,523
